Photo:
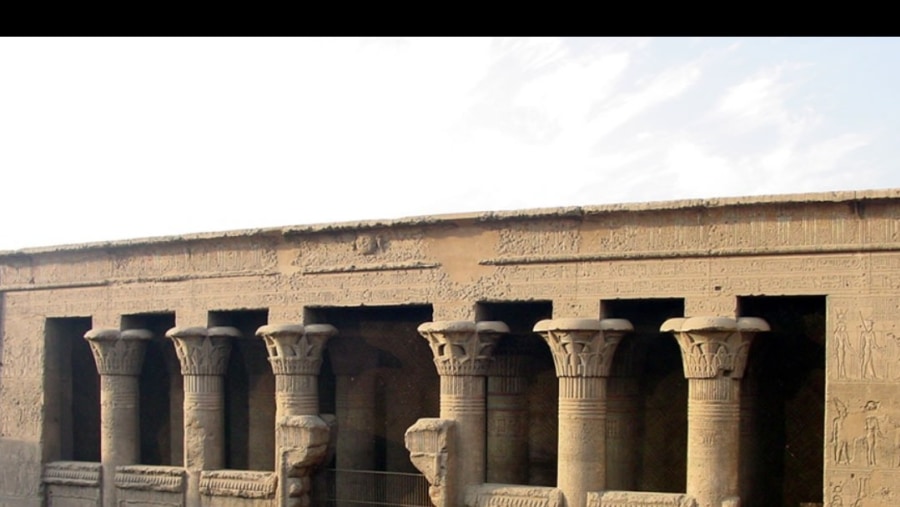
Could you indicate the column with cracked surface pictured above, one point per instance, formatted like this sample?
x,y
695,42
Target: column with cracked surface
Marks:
x,y
119,356
462,354
582,351
714,356
301,436
203,356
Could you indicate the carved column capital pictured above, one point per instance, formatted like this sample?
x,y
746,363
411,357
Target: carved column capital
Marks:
x,y
203,351
295,349
118,352
462,348
583,347
714,346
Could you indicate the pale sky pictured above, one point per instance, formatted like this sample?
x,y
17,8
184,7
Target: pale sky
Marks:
x,y
109,138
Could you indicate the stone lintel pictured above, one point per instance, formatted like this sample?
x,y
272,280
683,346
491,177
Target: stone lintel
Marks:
x,y
118,352
203,351
462,348
295,349
583,347
713,346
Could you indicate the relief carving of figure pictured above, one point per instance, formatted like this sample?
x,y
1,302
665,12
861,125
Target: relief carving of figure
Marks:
x,y
841,343
868,343
838,438
872,432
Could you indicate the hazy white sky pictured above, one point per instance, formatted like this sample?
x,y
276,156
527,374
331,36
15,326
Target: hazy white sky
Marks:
x,y
107,138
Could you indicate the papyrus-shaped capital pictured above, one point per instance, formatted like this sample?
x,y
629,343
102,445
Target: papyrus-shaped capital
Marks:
x,y
203,351
118,352
428,442
295,349
462,347
583,347
714,346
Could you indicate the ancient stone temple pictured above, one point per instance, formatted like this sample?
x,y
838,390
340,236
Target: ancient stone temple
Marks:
x,y
700,353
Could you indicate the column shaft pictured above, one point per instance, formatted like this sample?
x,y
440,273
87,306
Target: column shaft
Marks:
x,y
507,431
204,422
120,442
713,439
463,400
296,395
622,442
581,465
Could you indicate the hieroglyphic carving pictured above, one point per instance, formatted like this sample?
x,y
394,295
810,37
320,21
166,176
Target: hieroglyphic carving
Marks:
x,y
428,442
238,483
503,495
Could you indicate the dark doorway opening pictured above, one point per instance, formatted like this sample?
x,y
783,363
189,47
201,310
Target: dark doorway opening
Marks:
x,y
72,391
249,393
161,395
659,430
783,402
539,424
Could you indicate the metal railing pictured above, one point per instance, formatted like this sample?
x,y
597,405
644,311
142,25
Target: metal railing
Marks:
x,y
357,488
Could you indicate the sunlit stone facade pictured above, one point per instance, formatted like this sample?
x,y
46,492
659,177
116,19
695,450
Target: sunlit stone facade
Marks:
x,y
705,353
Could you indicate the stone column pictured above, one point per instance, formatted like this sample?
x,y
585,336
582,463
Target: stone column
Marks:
x,y
462,353
714,355
582,353
301,436
119,357
507,420
624,418
203,355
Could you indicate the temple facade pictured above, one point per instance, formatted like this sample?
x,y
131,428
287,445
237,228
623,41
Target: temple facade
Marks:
x,y
710,353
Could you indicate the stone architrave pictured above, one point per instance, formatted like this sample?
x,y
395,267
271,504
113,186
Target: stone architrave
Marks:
x,y
582,351
462,354
203,355
119,356
714,355
507,419
301,435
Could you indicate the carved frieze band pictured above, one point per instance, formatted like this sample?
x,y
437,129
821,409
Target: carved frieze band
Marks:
x,y
462,348
203,351
583,347
295,349
118,352
714,346
238,483
72,473
150,478
489,495
639,499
